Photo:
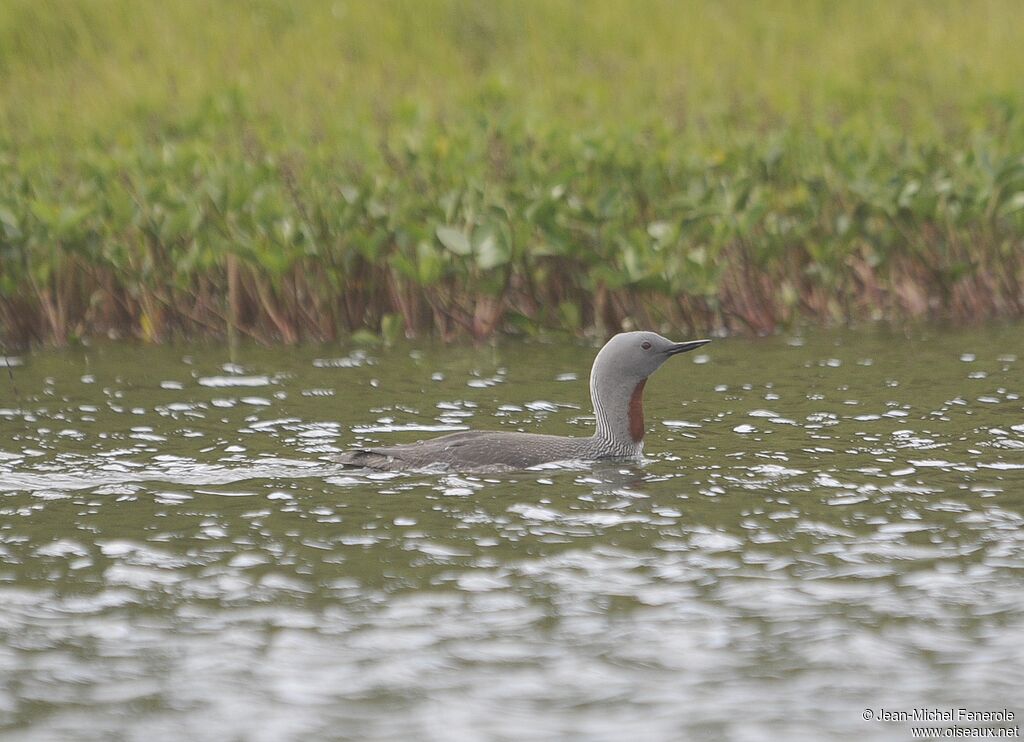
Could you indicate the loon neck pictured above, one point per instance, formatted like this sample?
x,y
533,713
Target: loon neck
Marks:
x,y
619,410
636,413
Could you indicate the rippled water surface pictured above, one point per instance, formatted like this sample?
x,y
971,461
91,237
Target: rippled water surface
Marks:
x,y
823,525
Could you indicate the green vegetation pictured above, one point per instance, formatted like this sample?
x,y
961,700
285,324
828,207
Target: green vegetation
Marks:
x,y
302,170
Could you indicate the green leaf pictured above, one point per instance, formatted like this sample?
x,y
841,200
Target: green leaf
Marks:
x,y
9,222
365,337
455,240
662,231
570,315
430,266
1014,203
490,250
46,213
404,265
392,326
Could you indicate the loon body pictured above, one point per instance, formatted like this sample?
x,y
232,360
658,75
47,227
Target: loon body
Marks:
x,y
617,381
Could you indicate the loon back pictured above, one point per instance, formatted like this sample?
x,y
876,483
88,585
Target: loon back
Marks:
x,y
473,449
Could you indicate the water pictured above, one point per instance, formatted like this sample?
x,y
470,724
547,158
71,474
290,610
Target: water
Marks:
x,y
824,525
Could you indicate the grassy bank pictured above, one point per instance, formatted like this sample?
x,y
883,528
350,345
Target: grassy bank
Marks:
x,y
303,170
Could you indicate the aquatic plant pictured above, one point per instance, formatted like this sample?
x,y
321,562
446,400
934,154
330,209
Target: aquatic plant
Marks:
x,y
465,169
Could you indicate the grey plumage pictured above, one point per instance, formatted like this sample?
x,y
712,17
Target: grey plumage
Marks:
x,y
475,449
616,386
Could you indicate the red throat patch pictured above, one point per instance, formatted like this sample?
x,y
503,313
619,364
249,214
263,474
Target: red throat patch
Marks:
x,y
636,413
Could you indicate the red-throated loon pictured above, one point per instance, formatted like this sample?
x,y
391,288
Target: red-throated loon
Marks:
x,y
617,381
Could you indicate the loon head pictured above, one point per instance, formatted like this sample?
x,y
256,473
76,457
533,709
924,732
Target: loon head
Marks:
x,y
618,376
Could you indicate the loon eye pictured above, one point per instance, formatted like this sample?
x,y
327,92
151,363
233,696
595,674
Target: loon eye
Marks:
x,y
645,345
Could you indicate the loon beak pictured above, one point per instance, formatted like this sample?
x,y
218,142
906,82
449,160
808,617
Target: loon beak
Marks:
x,y
689,345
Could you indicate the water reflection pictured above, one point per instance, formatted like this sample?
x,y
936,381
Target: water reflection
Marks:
x,y
820,527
